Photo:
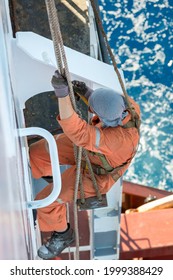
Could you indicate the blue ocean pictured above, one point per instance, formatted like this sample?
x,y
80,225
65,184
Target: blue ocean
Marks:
x,y
140,33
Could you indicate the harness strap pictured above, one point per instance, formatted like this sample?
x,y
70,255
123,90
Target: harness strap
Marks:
x,y
107,168
102,171
133,123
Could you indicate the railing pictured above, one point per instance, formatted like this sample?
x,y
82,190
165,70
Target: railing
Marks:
x,y
54,162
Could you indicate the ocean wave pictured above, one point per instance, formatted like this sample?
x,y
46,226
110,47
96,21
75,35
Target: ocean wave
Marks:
x,y
141,37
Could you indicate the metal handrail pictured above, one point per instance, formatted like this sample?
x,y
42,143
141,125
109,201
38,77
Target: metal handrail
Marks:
x,y
56,188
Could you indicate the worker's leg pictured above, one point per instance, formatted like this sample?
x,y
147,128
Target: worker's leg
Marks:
x,y
40,158
53,217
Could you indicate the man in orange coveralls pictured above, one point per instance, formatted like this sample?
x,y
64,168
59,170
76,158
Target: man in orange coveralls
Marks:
x,y
109,134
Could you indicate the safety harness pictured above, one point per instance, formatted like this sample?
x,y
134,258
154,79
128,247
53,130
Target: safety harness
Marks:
x,y
107,168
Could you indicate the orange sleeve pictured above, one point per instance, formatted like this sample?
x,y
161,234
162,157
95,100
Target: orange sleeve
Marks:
x,y
79,132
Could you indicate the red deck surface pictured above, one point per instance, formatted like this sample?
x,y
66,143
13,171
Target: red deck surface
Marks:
x,y
143,191
147,235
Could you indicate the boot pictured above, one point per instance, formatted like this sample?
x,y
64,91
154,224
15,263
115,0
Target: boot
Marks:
x,y
56,244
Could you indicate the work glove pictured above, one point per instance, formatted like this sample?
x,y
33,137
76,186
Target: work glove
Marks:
x,y
60,85
80,89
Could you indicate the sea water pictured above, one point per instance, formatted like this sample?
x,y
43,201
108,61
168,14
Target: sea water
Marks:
x,y
140,33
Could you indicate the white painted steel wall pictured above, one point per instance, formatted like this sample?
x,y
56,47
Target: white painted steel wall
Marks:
x,y
16,223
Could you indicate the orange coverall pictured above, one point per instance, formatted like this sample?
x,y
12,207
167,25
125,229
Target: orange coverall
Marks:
x,y
116,143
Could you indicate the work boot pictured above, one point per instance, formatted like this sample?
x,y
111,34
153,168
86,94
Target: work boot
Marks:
x,y
56,244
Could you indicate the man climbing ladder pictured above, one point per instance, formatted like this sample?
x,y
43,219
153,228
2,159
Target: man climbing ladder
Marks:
x,y
111,139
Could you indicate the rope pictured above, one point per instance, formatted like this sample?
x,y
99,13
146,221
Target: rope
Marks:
x,y
59,46
97,17
99,195
63,68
